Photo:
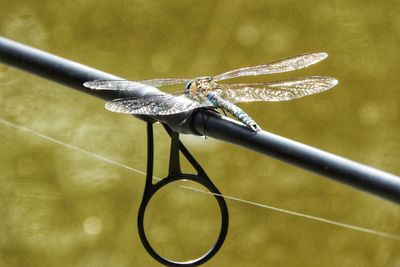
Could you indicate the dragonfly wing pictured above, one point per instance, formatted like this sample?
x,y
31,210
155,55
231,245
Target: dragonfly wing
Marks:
x,y
290,64
276,91
154,105
115,85
164,81
132,85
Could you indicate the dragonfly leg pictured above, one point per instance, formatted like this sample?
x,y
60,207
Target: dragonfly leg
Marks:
x,y
223,110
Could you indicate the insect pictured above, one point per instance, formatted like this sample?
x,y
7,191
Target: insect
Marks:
x,y
206,92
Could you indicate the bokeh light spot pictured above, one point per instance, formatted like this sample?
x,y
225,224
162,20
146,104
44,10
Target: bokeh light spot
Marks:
x,y
92,225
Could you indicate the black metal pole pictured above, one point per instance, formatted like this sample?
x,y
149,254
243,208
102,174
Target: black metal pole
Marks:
x,y
72,74
357,175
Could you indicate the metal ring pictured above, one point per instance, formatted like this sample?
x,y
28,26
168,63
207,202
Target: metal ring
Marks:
x,y
224,219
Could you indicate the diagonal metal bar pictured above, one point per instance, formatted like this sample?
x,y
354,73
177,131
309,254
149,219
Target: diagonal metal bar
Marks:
x,y
72,74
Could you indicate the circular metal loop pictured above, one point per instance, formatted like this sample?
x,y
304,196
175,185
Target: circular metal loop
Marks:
x,y
224,219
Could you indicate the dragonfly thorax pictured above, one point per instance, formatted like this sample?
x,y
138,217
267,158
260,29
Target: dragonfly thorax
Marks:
x,y
201,86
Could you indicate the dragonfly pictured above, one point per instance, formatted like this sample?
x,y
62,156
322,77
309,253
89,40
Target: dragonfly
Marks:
x,y
206,92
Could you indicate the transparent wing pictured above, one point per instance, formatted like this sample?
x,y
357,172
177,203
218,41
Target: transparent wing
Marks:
x,y
285,65
154,105
276,91
165,81
132,85
115,85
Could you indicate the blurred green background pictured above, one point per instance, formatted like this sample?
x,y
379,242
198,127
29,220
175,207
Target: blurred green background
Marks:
x,y
60,207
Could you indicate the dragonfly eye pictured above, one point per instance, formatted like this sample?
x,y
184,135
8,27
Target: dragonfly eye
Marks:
x,y
187,86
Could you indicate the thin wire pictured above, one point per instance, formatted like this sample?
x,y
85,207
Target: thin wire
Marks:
x,y
310,217
48,138
293,213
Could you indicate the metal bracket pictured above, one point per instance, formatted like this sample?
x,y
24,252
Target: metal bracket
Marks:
x,y
175,174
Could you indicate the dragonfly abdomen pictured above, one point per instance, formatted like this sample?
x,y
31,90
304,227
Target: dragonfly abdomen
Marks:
x,y
219,102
